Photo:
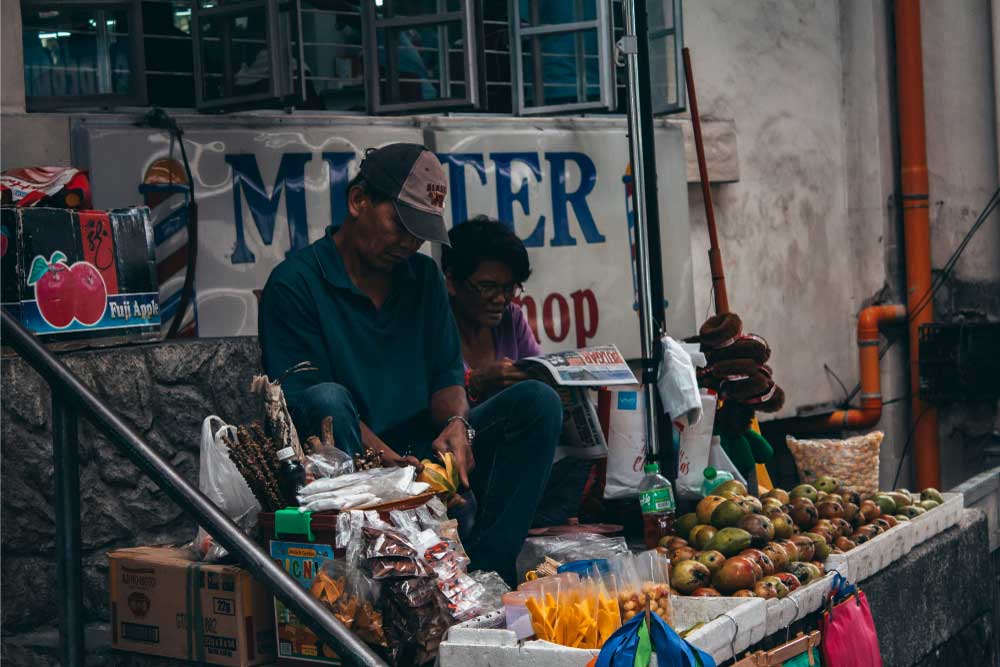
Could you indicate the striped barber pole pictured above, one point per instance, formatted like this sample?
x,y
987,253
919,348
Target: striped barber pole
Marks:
x,y
167,194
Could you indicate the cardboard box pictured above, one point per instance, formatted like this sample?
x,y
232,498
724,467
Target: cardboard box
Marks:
x,y
74,277
165,604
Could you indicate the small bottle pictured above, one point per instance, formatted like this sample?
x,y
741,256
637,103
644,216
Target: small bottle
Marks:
x,y
291,476
656,497
714,478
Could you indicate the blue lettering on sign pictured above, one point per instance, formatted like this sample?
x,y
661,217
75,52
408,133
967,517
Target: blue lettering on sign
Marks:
x,y
628,400
455,162
263,207
290,180
506,197
578,199
338,163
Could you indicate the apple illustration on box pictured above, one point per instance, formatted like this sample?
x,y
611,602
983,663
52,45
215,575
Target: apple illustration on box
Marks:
x,y
65,293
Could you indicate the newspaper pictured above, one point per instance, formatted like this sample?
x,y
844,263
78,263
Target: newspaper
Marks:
x,y
570,374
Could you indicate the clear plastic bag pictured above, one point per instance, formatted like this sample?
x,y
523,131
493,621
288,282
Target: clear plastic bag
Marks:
x,y
329,462
222,483
567,547
853,462
642,582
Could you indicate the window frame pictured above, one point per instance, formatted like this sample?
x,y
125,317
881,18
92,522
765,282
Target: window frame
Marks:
x,y
466,16
606,66
137,54
677,31
276,81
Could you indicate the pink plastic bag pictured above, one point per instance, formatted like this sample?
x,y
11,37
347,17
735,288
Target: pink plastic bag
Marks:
x,y
849,637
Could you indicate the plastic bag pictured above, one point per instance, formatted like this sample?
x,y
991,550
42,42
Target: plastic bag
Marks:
x,y
219,479
620,650
330,462
359,489
696,441
853,462
678,385
564,548
718,459
626,440
849,636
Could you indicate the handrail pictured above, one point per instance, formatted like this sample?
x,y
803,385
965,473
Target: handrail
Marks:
x,y
68,393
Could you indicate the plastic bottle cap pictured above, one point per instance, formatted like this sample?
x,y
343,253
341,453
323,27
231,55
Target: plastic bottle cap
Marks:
x,y
651,468
286,453
710,473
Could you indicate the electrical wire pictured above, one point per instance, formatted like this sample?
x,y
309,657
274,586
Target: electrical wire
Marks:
x,y
906,447
829,371
938,282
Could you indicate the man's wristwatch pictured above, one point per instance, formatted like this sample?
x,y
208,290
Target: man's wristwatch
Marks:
x,y
470,432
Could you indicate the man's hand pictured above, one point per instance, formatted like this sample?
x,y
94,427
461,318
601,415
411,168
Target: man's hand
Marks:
x,y
496,377
391,459
455,439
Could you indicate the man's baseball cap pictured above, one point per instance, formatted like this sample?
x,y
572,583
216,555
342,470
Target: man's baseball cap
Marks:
x,y
411,176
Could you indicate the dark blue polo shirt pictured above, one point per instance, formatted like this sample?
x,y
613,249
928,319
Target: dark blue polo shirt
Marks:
x,y
391,360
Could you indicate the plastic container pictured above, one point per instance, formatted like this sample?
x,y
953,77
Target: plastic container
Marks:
x,y
518,618
584,568
714,478
656,498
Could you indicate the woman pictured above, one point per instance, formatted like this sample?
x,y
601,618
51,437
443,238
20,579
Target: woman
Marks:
x,y
485,268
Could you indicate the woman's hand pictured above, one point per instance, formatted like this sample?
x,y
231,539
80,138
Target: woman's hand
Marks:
x,y
495,377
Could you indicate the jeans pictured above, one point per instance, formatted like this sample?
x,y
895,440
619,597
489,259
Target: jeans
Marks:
x,y
516,436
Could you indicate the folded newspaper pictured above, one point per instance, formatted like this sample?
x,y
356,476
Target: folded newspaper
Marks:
x,y
571,373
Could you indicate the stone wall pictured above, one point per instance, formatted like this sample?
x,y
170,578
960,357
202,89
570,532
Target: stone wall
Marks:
x,y
164,391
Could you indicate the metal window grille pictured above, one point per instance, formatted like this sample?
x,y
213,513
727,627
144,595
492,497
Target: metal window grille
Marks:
x,y
247,52
82,54
557,51
420,55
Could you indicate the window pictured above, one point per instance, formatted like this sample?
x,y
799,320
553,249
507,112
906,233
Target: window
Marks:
x,y
80,54
562,55
238,53
366,56
666,67
421,54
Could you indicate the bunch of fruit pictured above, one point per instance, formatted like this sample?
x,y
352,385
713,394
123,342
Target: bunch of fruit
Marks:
x,y
737,544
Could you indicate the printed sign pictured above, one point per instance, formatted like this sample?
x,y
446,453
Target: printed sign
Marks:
x,y
265,189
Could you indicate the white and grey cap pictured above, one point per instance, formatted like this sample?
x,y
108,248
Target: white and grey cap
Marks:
x,y
412,177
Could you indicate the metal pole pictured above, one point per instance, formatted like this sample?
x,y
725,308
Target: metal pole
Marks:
x,y
66,464
640,132
347,645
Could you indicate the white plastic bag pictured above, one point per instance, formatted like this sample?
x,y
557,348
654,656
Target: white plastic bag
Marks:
x,y
626,441
718,459
219,479
696,443
678,385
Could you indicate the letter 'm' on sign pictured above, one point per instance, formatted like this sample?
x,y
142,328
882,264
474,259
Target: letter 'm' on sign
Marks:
x,y
264,207
506,197
578,199
456,181
338,163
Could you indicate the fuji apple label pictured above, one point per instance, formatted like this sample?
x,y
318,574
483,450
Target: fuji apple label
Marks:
x,y
65,293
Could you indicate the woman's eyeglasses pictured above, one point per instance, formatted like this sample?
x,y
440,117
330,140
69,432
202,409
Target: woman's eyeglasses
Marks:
x,y
491,290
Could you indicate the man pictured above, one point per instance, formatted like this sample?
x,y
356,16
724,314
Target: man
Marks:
x,y
358,326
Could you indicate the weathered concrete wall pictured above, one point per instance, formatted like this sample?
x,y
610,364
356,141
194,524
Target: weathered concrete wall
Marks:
x,y
776,68
810,234
164,392
11,57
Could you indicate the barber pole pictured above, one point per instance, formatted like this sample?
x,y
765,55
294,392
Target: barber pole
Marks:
x,y
166,191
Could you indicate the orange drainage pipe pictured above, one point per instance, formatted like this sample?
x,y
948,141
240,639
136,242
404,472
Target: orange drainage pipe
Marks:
x,y
870,321
916,230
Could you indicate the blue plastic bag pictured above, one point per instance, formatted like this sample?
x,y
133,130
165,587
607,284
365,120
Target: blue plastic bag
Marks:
x,y
670,649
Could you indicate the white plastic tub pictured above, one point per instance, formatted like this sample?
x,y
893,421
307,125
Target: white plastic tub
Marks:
x,y
799,603
874,555
937,520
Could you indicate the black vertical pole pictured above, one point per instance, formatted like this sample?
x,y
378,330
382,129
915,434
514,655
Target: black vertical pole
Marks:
x,y
66,461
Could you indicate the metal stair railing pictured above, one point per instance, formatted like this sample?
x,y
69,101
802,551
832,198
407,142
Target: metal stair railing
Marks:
x,y
71,398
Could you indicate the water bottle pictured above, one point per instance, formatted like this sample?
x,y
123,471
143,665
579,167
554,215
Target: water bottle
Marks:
x,y
714,478
656,498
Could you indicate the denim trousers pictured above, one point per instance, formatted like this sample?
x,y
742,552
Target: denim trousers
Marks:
x,y
517,432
